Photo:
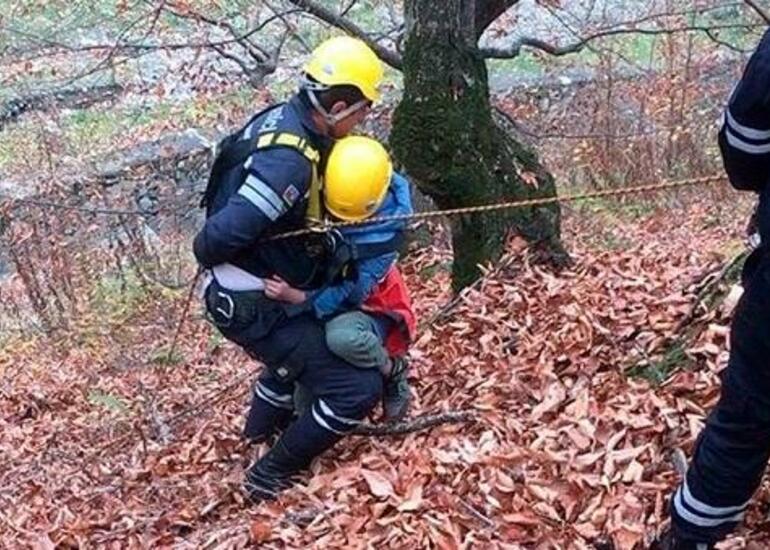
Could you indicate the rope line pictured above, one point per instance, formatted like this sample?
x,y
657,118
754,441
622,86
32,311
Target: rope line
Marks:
x,y
225,394
418,216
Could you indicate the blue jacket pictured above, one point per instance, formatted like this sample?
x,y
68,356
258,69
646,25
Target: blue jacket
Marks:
x,y
267,195
352,293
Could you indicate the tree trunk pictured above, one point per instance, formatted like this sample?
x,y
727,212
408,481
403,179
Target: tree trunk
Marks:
x,y
445,136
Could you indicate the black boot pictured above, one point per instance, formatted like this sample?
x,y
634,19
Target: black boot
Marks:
x,y
272,473
668,540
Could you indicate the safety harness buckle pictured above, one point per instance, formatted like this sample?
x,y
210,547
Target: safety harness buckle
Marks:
x,y
230,312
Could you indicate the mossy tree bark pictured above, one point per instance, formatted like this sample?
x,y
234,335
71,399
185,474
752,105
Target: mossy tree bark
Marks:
x,y
447,139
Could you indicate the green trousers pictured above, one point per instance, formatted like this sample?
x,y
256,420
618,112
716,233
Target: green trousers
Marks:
x,y
355,337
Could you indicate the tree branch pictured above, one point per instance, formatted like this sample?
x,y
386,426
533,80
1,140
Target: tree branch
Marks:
x,y
763,13
415,424
515,49
290,28
724,43
119,46
488,11
347,8
388,56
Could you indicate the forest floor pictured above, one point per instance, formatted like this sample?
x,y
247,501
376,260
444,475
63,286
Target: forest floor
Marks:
x,y
104,441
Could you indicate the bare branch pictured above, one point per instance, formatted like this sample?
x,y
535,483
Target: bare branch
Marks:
x,y
262,57
347,8
714,38
415,424
243,40
488,11
244,66
577,35
763,13
657,15
61,206
290,28
515,49
388,56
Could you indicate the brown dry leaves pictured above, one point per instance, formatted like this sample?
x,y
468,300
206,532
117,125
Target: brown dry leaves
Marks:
x,y
568,452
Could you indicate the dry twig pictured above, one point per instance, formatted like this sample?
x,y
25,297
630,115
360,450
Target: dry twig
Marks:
x,y
416,424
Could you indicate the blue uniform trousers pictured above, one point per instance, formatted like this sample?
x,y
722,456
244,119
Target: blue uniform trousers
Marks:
x,y
732,451
294,350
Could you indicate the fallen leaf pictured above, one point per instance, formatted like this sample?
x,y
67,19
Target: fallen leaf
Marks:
x,y
378,484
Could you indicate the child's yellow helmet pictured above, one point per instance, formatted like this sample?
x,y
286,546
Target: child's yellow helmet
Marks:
x,y
357,177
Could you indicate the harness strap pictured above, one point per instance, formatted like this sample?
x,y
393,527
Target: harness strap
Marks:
x,y
276,139
271,139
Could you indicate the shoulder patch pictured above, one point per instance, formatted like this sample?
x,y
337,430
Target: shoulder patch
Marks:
x,y
290,194
270,123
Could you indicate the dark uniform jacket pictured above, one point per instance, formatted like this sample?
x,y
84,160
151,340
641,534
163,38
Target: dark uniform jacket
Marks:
x,y
744,138
268,195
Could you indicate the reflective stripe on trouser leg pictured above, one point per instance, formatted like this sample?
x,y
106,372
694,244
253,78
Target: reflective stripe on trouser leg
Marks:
x,y
306,438
732,451
328,419
271,408
278,399
316,430
689,509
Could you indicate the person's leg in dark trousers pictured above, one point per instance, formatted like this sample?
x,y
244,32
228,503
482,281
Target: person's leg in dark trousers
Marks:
x,y
261,328
342,396
732,451
271,407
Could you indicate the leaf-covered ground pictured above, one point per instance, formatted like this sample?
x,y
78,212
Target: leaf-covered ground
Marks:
x,y
99,445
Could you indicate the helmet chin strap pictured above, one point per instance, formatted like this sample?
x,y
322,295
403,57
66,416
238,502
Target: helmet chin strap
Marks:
x,y
332,119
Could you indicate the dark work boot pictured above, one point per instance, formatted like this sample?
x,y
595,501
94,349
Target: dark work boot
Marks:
x,y
396,395
272,473
668,540
304,440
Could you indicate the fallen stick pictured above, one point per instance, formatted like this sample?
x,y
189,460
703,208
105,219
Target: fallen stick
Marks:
x,y
686,329
709,289
416,424
478,515
445,310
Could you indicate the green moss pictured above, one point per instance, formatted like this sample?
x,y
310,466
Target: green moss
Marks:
x,y
166,357
16,142
657,371
115,298
525,64
109,401
85,127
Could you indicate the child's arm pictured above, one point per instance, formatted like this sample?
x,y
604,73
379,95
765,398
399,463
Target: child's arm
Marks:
x,y
352,293
337,298
280,290
371,271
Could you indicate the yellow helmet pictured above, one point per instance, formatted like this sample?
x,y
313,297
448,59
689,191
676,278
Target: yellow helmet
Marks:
x,y
346,60
357,178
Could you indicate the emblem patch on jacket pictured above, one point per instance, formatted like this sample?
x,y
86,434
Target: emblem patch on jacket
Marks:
x,y
290,194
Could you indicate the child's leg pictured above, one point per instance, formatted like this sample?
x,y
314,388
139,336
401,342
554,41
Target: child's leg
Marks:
x,y
354,336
